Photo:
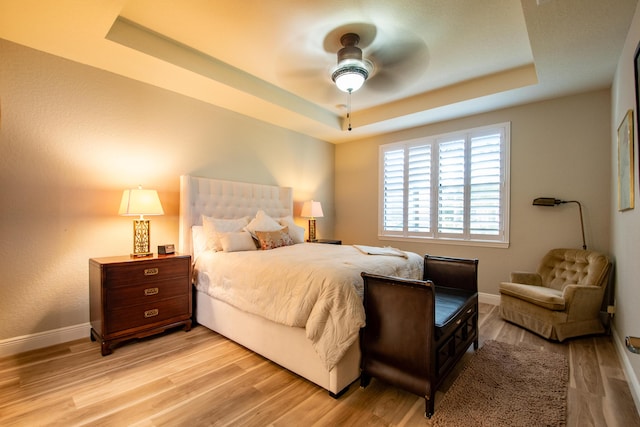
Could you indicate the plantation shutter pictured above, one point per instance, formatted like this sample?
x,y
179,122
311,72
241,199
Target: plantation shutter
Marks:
x,y
419,189
393,193
485,185
451,186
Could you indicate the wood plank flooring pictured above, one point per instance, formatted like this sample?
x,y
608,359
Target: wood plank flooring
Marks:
x,y
200,378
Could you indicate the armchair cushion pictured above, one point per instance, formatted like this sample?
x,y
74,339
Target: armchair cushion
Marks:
x,y
548,298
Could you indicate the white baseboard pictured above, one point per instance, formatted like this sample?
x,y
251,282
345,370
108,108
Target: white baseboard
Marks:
x,y
623,355
24,343
489,298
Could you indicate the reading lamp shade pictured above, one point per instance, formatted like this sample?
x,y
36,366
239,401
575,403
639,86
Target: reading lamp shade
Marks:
x,y
140,202
312,210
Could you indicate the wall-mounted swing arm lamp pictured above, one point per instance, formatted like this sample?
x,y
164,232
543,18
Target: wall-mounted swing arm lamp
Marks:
x,y
552,201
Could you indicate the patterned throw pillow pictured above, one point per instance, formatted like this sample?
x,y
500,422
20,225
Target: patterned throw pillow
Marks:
x,y
274,239
295,231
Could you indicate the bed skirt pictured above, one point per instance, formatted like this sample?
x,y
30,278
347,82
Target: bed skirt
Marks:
x,y
285,345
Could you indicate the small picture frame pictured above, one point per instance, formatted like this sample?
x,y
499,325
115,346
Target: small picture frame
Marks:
x,y
625,163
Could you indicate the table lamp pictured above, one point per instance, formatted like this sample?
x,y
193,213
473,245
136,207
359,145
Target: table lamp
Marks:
x,y
140,202
312,210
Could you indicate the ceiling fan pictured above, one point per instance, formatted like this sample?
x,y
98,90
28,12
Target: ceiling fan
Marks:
x,y
381,62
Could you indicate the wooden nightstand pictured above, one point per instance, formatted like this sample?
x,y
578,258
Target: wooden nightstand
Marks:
x,y
328,241
136,297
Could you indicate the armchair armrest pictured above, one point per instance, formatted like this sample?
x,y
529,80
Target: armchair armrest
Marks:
x,y
526,278
582,301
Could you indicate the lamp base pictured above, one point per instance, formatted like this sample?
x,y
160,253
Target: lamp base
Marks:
x,y
141,239
312,230
141,254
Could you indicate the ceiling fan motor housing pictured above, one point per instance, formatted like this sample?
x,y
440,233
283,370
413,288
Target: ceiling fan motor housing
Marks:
x,y
350,50
350,63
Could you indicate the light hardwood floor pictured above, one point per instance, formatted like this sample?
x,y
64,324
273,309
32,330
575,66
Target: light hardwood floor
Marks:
x,y
200,378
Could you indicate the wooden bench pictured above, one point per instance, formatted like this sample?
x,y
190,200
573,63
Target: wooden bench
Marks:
x,y
417,330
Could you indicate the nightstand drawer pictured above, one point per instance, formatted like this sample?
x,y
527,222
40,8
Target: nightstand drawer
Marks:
x,y
145,271
146,314
124,296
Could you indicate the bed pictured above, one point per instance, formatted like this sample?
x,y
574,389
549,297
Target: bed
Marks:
x,y
317,340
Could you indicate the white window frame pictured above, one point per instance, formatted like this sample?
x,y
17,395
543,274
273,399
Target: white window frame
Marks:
x,y
500,240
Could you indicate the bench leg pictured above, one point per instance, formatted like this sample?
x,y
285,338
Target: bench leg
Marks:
x,y
364,380
429,407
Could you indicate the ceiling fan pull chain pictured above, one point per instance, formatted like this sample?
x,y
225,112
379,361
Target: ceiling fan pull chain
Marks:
x,y
349,108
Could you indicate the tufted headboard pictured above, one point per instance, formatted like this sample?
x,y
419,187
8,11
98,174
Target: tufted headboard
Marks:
x,y
226,199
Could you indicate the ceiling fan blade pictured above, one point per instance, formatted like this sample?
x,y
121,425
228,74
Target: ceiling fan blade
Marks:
x,y
399,60
384,81
311,83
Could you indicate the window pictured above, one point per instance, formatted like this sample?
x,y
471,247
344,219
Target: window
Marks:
x,y
452,187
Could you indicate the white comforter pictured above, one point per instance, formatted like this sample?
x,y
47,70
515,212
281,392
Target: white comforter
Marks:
x,y
310,285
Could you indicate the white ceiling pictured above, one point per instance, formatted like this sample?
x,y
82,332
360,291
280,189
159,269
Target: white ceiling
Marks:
x,y
271,59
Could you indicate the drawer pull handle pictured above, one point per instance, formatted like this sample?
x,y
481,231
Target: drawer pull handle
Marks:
x,y
150,271
470,310
150,291
458,321
151,313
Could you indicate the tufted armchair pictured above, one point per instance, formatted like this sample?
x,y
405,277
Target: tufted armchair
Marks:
x,y
562,299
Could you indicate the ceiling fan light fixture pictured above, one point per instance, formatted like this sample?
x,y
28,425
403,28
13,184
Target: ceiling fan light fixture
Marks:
x,y
349,77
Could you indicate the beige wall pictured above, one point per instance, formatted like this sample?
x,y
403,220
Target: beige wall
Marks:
x,y
73,137
559,148
625,226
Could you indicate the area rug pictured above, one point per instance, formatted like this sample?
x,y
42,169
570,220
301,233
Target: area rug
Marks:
x,y
507,385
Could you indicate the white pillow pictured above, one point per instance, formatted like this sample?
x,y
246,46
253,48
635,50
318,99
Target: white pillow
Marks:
x,y
212,226
295,231
262,222
198,240
237,241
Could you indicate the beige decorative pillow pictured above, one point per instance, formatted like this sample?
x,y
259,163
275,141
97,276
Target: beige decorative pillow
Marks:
x,y
237,241
274,239
212,226
262,222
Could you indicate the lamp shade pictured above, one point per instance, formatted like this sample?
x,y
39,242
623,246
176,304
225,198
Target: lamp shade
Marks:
x,y
311,209
546,201
137,201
